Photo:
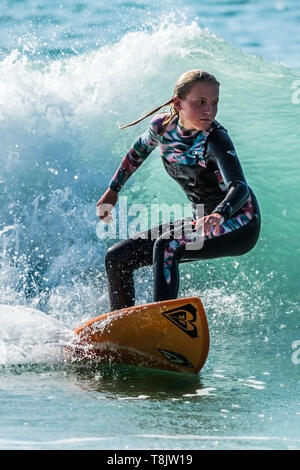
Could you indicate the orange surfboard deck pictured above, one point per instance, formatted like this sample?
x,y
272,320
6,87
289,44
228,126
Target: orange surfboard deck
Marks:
x,y
171,335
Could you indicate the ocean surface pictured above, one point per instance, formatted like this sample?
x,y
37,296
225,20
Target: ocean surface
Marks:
x,y
70,74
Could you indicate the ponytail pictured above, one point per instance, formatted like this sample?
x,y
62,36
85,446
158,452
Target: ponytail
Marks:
x,y
150,113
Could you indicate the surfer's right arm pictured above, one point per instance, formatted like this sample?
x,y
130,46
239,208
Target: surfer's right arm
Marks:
x,y
135,156
106,204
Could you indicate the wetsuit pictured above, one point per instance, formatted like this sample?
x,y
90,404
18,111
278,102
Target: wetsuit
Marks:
x,y
206,166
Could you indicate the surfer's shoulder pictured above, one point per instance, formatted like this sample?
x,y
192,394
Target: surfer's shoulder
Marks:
x,y
157,122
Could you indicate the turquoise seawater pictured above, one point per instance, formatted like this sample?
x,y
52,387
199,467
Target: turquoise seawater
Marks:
x,y
70,74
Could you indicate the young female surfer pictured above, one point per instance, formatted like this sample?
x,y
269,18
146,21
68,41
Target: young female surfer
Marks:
x,y
198,153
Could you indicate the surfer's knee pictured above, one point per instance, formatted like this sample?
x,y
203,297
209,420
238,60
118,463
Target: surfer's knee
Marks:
x,y
163,247
118,255
159,246
108,259
113,257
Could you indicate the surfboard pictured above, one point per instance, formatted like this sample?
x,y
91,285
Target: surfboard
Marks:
x,y
171,335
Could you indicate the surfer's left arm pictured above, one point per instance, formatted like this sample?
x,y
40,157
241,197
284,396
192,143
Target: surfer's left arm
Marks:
x,y
221,151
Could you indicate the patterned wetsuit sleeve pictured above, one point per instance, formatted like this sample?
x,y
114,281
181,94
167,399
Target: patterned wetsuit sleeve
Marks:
x,y
221,150
135,156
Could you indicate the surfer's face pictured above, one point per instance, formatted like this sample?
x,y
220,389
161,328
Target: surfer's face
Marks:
x,y
199,108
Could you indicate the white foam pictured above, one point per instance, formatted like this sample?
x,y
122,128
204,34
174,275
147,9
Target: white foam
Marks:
x,y
29,336
201,392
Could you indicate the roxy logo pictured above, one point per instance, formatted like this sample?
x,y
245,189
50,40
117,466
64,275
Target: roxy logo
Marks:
x,y
296,94
296,353
184,318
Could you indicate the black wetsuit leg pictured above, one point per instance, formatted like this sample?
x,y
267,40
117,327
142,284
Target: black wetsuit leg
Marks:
x,y
123,258
121,261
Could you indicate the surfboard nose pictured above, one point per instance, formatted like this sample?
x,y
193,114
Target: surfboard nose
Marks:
x,y
171,335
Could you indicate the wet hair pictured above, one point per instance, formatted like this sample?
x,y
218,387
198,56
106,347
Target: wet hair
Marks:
x,y
183,86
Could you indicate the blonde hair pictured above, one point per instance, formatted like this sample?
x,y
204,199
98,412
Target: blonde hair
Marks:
x,y
183,86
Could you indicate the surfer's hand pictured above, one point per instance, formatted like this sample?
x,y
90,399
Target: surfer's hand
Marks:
x,y
106,204
206,223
